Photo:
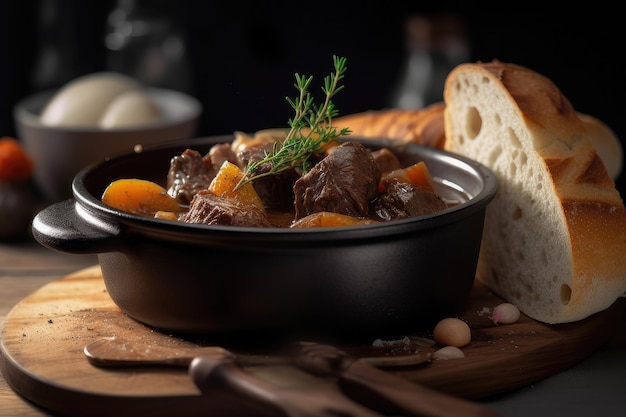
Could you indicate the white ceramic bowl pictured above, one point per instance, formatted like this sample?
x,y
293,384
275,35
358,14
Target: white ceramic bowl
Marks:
x,y
60,152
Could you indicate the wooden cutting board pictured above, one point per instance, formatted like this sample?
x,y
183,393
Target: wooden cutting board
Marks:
x,y
43,338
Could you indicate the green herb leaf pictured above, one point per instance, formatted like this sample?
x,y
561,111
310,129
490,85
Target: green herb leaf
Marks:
x,y
311,128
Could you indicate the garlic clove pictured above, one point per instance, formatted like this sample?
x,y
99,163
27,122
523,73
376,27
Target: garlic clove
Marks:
x,y
505,313
449,352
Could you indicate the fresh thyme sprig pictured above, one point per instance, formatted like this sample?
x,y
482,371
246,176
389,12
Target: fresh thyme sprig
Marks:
x,y
311,128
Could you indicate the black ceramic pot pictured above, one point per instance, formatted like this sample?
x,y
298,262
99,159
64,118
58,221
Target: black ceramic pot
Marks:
x,y
378,280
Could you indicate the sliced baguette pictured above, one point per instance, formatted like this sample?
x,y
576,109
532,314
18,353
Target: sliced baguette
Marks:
x,y
425,127
422,126
554,242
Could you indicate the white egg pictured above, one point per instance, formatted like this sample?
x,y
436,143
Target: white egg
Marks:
x,y
130,109
83,101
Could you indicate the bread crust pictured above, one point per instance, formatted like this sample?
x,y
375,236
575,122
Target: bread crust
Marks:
x,y
426,127
421,126
606,144
554,242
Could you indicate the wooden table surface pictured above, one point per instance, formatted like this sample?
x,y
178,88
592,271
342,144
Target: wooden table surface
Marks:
x,y
596,386
25,266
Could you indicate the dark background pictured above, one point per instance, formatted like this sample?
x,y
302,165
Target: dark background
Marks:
x,y
241,56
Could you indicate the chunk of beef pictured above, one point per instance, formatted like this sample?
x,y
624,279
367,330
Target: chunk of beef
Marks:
x,y
191,172
253,153
276,191
401,200
208,208
387,160
344,182
220,153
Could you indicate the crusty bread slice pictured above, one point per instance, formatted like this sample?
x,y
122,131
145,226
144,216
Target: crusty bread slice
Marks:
x,y
554,242
422,126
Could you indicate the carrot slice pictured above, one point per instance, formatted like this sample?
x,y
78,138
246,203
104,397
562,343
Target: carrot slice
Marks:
x,y
227,179
139,196
419,175
416,174
329,219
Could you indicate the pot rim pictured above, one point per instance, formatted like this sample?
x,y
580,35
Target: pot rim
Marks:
x,y
486,178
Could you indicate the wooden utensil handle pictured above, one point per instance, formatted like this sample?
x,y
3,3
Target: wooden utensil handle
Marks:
x,y
210,374
382,390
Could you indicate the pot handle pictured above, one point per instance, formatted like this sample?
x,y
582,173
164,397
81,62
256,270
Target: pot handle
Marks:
x,y
61,228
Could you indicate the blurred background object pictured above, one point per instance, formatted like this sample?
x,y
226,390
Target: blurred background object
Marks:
x,y
145,39
434,45
239,58
96,116
57,56
17,200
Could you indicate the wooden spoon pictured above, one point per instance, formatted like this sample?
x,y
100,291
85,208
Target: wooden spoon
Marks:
x,y
214,368
114,352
